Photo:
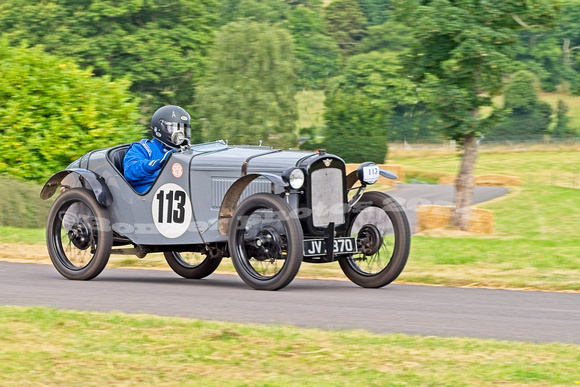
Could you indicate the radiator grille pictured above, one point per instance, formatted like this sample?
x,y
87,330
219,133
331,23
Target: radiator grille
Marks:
x,y
327,197
220,185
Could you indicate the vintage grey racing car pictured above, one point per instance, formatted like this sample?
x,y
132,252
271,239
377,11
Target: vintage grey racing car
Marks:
x,y
268,209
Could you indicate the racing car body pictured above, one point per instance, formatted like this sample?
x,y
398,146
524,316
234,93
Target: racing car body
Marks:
x,y
268,209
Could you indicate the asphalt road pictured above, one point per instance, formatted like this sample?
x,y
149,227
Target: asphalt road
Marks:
x,y
410,309
412,195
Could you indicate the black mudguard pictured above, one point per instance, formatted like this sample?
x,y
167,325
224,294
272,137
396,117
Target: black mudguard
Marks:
x,y
95,183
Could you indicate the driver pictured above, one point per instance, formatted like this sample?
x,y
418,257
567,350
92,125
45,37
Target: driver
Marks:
x,y
170,128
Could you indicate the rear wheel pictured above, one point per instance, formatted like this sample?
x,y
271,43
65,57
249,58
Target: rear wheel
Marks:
x,y
191,265
383,236
78,235
265,242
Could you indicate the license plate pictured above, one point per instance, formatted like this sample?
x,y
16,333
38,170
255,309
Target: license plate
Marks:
x,y
314,247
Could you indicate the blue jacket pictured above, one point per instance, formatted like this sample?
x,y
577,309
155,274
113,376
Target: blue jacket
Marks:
x,y
142,163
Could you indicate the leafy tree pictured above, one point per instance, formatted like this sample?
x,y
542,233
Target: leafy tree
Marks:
x,y
306,3
527,116
412,122
346,24
389,36
318,53
376,11
561,129
521,94
464,48
359,103
262,11
553,55
52,112
248,95
161,46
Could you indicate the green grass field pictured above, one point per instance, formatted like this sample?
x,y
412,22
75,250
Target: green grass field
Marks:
x,y
535,243
48,347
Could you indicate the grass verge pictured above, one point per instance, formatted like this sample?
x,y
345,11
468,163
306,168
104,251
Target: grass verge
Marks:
x,y
53,347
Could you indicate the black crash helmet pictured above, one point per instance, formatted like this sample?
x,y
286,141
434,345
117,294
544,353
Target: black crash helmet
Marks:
x,y
171,125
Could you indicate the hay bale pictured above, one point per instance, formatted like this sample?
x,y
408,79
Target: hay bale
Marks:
x,y
351,167
481,221
396,169
497,180
447,180
486,180
433,217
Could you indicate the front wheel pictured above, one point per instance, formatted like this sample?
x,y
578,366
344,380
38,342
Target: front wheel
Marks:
x,y
191,265
265,242
383,236
78,235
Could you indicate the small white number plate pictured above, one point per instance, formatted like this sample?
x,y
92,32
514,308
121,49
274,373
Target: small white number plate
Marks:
x,y
371,174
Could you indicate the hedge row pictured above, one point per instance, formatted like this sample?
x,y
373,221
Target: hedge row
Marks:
x,y
20,204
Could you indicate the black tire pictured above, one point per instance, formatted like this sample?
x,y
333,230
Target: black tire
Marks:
x,y
266,242
383,238
78,235
191,265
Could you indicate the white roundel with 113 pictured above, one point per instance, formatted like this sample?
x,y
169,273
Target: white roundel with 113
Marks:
x,y
171,210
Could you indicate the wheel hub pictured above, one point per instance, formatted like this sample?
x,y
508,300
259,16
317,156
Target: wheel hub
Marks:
x,y
268,242
369,239
80,235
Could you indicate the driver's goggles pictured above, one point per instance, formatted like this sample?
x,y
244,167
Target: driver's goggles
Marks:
x,y
173,127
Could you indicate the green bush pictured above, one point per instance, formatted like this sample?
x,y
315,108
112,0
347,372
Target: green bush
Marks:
x,y
528,117
52,112
20,204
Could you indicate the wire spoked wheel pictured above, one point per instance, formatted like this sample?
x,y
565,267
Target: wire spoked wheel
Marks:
x,y
78,235
383,236
265,242
191,265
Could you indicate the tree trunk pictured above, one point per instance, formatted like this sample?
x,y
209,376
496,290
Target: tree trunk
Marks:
x,y
465,184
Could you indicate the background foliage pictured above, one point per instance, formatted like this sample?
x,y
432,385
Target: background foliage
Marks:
x,y
346,21
160,46
527,116
249,93
359,104
20,205
160,53
317,53
51,112
463,49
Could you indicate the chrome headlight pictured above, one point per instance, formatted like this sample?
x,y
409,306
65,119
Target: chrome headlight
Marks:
x,y
294,177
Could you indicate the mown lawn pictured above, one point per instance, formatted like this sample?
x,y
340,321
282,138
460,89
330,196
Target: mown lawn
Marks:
x,y
535,243
535,164
48,347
